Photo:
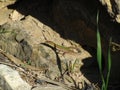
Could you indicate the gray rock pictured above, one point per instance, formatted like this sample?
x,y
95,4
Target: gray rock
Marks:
x,y
11,80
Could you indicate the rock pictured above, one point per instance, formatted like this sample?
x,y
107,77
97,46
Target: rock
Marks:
x,y
76,21
5,3
5,0
49,87
15,15
4,15
118,18
11,80
113,8
24,39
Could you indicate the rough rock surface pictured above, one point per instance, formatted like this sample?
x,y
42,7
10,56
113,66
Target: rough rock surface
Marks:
x,y
5,3
113,7
11,80
24,41
23,37
49,88
68,23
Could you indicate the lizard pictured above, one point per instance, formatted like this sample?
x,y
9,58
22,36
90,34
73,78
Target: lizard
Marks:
x,y
71,50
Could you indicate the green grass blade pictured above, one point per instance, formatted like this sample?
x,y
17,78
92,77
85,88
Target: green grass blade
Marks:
x,y
99,50
109,65
109,57
99,54
99,59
